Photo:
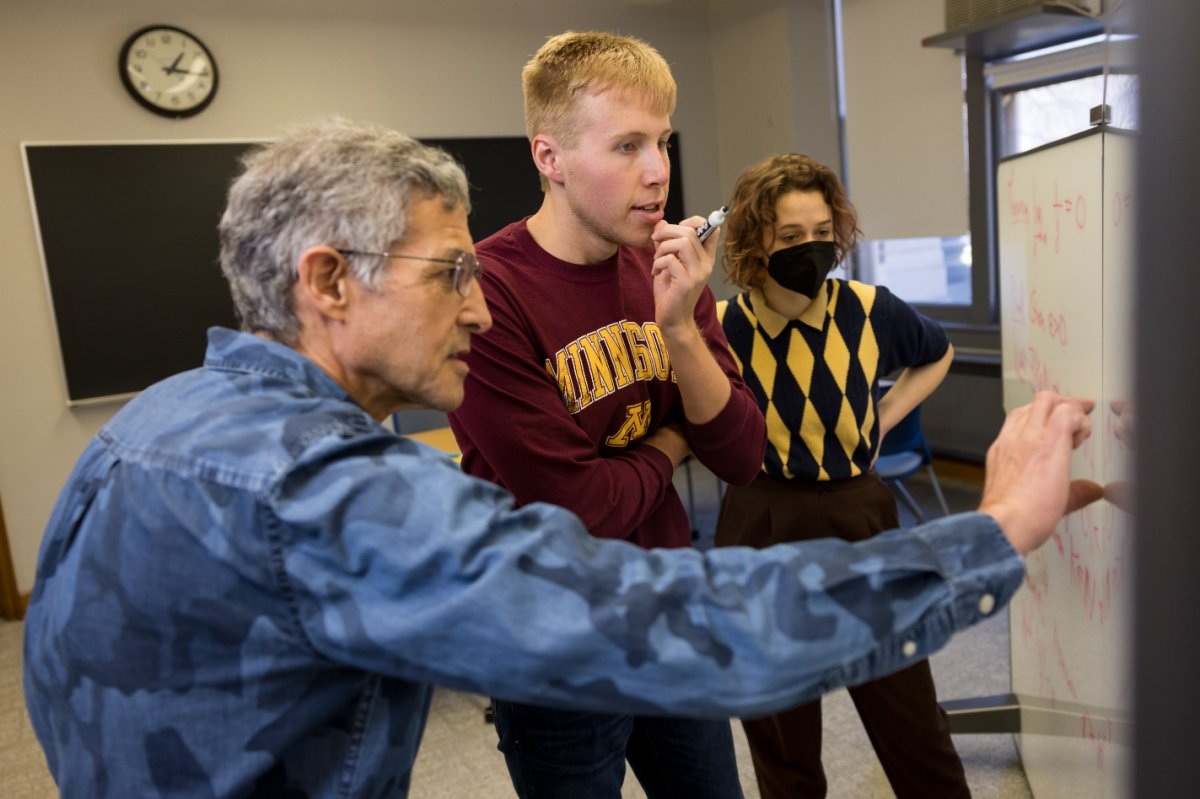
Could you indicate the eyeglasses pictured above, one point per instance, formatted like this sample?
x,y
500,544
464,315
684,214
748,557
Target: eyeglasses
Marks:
x,y
466,267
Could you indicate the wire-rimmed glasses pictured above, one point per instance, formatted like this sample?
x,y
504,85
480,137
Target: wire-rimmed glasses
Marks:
x,y
466,267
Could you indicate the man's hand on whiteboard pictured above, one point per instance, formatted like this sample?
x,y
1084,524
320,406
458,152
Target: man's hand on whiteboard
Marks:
x,y
1028,486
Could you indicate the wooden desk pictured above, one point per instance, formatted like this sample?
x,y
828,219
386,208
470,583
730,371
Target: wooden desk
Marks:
x,y
439,438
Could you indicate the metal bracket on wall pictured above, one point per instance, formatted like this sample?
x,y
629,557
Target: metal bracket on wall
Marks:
x,y
1017,713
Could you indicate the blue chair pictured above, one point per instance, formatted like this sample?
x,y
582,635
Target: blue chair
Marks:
x,y
903,453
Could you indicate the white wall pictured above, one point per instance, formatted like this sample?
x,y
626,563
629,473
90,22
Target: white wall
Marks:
x,y
442,73
905,129
773,68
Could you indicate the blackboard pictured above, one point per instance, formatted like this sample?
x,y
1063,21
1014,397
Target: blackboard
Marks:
x,y
1065,234
128,235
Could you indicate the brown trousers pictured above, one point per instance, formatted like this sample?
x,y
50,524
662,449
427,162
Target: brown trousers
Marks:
x,y
907,728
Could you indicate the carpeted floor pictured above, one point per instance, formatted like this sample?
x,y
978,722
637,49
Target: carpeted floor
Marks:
x,y
458,757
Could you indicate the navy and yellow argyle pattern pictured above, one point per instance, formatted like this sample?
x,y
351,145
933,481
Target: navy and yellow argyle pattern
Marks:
x,y
816,378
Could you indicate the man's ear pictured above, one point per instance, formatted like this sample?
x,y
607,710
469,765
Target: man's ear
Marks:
x,y
322,281
547,157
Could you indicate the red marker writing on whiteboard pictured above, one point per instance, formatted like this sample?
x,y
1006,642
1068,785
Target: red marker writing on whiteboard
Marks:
x,y
714,219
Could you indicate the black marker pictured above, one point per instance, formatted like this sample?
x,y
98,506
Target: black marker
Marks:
x,y
714,219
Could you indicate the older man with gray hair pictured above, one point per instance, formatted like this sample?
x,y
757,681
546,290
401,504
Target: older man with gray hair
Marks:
x,y
249,585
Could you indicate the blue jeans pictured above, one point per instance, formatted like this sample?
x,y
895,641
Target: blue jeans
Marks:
x,y
563,754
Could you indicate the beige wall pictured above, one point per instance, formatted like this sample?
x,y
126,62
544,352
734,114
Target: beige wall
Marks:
x,y
773,75
444,72
908,173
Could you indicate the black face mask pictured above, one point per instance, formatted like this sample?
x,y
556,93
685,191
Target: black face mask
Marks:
x,y
802,268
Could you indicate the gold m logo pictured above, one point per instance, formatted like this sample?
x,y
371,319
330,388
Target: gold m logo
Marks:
x,y
636,425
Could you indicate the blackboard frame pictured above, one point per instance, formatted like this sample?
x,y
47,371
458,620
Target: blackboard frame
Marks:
x,y
128,238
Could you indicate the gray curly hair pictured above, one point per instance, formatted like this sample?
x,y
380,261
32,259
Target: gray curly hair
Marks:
x,y
332,182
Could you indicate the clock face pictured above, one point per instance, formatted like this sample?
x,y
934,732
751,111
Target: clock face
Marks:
x,y
168,70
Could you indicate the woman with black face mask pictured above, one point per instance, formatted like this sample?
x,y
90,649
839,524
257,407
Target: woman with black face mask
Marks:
x,y
813,349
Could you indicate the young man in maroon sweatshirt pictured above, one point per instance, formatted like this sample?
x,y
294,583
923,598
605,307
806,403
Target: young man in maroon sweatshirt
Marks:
x,y
605,366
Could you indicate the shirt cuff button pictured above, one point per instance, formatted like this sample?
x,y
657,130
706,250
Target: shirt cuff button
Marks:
x,y
987,603
909,649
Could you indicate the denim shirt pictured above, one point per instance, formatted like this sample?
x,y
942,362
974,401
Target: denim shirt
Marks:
x,y
248,587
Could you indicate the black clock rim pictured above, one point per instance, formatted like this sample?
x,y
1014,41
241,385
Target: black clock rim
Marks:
x,y
171,113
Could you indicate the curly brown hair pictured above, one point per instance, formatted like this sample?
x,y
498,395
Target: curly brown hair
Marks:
x,y
752,211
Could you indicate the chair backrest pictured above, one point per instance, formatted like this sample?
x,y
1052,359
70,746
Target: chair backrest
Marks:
x,y
902,453
906,436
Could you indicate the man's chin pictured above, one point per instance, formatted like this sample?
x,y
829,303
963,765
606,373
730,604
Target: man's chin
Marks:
x,y
636,236
448,402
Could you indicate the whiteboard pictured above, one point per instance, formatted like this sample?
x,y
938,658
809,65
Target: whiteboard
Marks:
x,y
1065,240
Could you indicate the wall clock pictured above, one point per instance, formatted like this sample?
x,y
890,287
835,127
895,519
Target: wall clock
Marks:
x,y
168,71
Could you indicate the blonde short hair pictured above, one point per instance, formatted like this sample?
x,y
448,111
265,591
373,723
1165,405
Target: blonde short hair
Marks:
x,y
572,64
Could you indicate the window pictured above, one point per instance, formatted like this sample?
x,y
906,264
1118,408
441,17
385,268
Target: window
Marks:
x,y
1020,103
930,270
1049,94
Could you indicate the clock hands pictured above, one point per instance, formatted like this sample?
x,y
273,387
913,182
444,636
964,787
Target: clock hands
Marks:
x,y
172,69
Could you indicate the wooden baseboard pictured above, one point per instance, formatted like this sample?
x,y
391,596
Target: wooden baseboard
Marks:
x,y
12,604
954,469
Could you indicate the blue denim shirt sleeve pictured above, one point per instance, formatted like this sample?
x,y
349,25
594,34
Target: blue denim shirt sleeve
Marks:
x,y
428,575
248,585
